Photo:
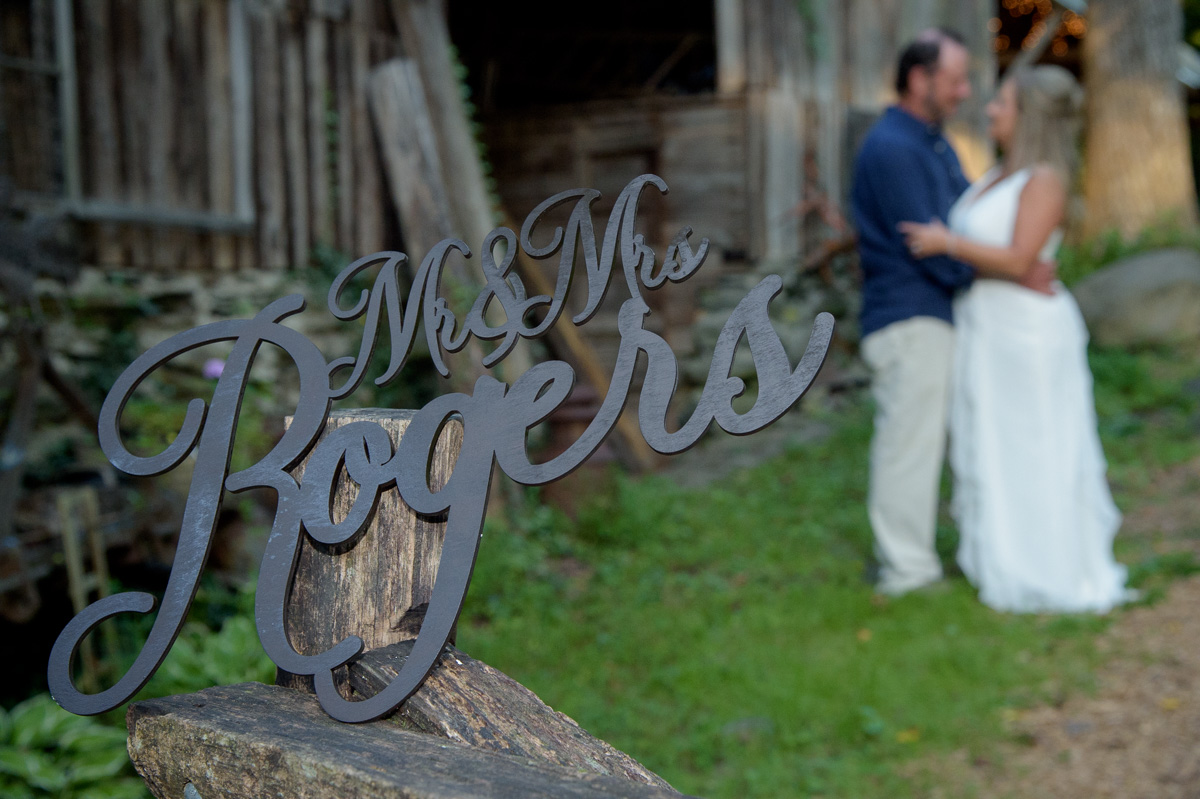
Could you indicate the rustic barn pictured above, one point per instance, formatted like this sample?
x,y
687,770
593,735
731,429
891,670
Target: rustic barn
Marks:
x,y
749,109
200,134
236,134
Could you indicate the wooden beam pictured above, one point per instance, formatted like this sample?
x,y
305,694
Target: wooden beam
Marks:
x,y
408,145
155,215
731,46
571,346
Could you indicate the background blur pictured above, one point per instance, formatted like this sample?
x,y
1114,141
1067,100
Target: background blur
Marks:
x,y
168,164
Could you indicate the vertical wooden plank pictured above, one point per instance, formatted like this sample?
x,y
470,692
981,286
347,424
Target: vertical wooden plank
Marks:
x,y
783,146
189,167
731,46
268,142
368,184
155,67
343,195
426,39
241,109
826,86
317,86
410,154
241,105
99,117
68,98
295,146
871,60
218,124
68,518
132,113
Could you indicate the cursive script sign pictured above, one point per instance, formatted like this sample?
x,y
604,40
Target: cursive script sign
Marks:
x,y
495,418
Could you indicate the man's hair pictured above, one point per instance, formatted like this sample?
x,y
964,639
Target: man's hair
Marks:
x,y
924,52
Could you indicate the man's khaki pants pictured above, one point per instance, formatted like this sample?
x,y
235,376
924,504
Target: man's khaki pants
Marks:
x,y
911,362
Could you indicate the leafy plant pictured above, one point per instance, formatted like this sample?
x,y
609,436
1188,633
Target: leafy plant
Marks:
x,y
1077,261
47,752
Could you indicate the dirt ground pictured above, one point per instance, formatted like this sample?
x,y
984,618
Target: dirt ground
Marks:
x,y
1139,734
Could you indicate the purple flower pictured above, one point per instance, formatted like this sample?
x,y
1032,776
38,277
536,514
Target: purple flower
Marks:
x,y
213,368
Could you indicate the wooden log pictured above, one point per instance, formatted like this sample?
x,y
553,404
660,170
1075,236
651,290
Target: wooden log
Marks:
x,y
468,701
253,740
367,590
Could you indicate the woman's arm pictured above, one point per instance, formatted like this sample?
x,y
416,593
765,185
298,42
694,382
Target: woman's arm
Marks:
x,y
1040,210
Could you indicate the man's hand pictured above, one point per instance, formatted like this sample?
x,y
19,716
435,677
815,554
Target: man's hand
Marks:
x,y
1040,277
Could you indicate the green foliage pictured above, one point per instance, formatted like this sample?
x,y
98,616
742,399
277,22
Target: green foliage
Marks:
x,y
1148,417
218,646
520,551
47,752
1075,262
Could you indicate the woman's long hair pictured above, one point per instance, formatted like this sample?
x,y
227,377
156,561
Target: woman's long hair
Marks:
x,y
1049,120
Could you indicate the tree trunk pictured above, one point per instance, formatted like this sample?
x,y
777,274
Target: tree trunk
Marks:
x,y
1138,169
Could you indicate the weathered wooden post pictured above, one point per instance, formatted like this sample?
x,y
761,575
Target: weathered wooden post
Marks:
x,y
253,740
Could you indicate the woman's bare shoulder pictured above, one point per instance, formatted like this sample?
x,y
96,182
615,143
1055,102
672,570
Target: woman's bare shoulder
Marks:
x,y
1043,177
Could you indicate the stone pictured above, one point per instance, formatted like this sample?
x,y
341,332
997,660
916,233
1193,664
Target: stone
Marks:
x,y
1147,299
254,740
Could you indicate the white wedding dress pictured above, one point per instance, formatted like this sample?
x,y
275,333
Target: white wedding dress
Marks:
x,y
1031,499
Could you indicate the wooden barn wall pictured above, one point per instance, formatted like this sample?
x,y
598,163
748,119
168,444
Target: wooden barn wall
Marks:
x,y
814,76
757,163
160,86
696,144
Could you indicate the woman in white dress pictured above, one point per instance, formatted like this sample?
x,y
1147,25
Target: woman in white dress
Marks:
x,y
1032,503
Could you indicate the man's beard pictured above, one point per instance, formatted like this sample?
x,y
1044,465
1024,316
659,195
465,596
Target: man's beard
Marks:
x,y
933,111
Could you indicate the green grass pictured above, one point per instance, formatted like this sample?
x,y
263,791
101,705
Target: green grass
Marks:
x,y
726,636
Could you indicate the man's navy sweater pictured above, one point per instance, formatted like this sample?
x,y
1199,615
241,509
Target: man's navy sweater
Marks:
x,y
906,171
